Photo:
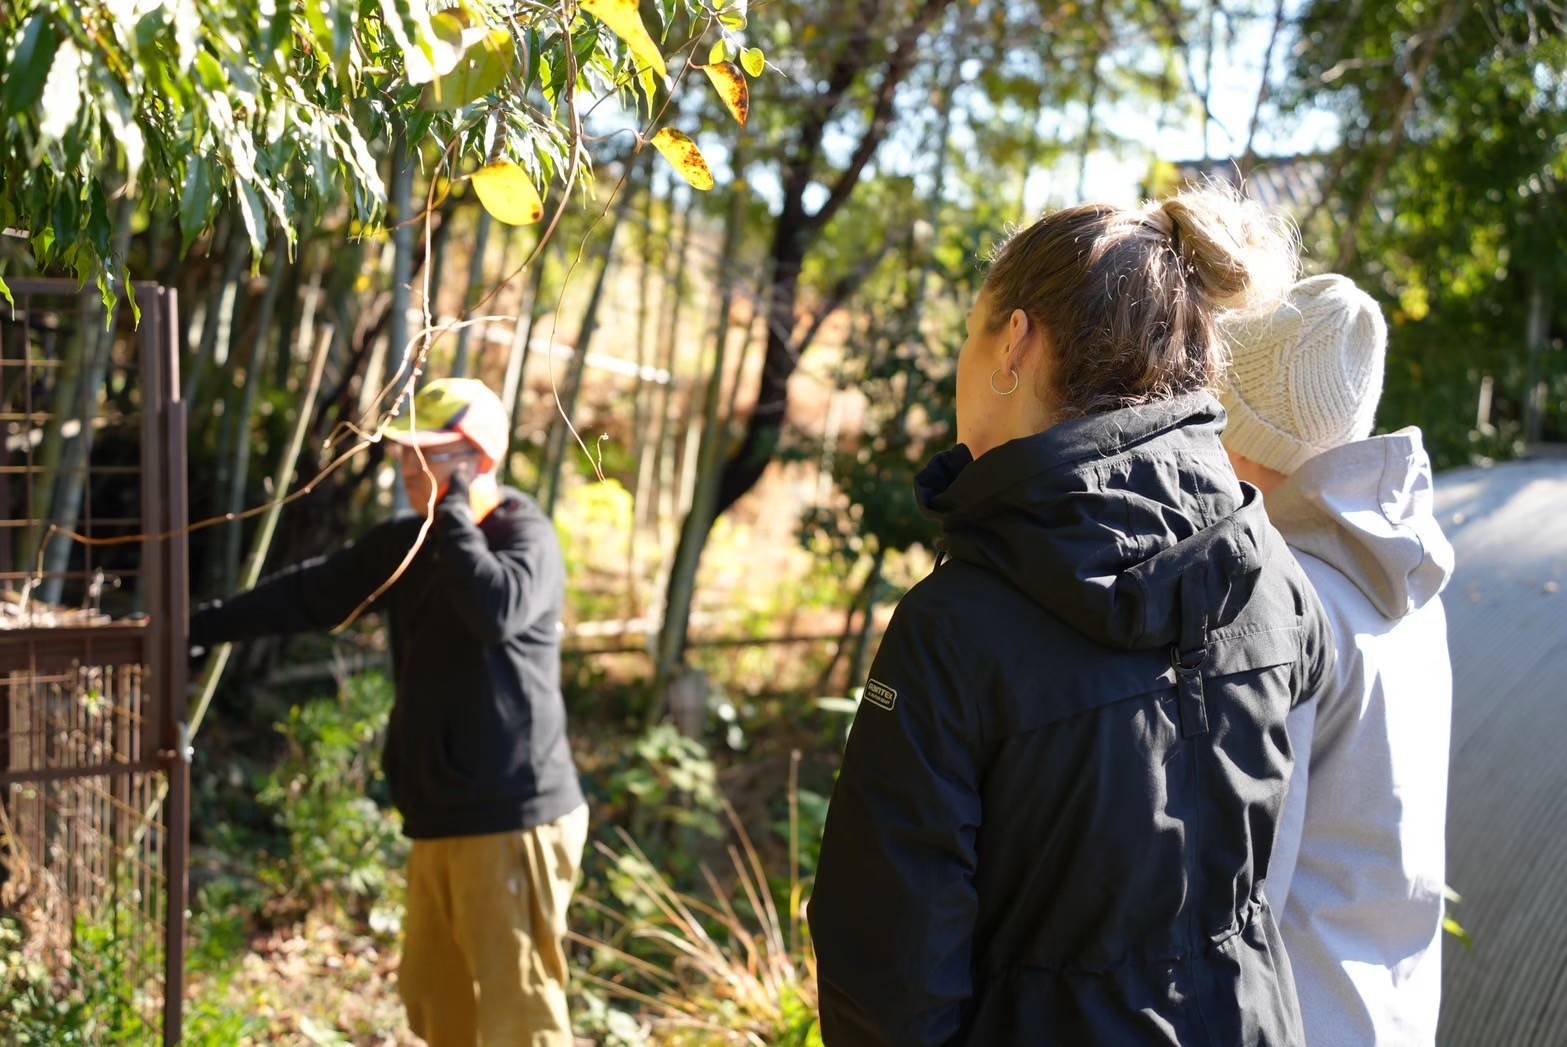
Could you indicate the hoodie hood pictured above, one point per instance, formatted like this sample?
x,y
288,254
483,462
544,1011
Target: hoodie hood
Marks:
x,y
1366,509
1114,522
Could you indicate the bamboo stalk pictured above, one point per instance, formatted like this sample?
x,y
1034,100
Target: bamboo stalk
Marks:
x,y
263,540
239,472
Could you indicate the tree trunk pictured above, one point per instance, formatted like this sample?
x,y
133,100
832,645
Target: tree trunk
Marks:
x,y
481,243
440,244
401,193
1536,336
517,354
560,439
765,427
220,304
65,469
859,665
74,478
663,451
522,346
713,439
639,400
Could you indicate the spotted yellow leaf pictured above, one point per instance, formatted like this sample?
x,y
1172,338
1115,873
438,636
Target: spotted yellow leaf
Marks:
x,y
508,193
625,20
732,89
684,157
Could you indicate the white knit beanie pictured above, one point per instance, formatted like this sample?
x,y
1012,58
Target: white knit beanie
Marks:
x,y
1306,376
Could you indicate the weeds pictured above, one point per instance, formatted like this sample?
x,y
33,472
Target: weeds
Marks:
x,y
727,968
344,848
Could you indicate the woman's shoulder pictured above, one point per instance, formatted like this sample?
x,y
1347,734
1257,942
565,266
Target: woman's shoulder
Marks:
x,y
965,598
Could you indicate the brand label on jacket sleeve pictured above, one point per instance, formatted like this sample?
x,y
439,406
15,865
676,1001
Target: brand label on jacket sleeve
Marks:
x,y
879,694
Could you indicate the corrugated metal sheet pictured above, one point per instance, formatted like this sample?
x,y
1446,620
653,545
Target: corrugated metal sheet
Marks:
x,y
1507,822
1292,184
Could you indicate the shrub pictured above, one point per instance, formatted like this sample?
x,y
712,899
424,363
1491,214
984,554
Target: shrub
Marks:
x,y
344,847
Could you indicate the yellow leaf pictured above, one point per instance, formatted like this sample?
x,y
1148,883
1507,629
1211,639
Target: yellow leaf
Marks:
x,y
508,194
685,157
732,89
480,70
625,20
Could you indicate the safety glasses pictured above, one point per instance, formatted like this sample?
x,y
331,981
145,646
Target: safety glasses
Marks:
x,y
439,457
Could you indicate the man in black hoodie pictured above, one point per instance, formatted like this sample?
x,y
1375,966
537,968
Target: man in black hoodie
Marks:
x,y
476,752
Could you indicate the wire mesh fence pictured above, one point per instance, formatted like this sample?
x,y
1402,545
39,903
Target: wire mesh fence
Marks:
x,y
93,769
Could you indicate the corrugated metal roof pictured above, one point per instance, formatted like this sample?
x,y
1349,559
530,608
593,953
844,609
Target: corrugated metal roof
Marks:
x,y
1292,184
1507,800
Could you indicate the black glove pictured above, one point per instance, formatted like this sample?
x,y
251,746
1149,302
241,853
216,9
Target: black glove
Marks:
x,y
200,631
458,499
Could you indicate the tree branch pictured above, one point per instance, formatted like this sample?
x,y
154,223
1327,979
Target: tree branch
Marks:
x,y
841,292
1249,155
1170,14
897,70
1423,53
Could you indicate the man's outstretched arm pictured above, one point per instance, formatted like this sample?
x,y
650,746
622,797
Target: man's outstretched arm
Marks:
x,y
308,597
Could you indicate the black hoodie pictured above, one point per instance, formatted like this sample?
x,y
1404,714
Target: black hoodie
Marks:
x,y
477,741
1061,791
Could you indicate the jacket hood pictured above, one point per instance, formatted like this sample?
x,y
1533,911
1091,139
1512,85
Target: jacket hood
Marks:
x,y
1366,509
1104,520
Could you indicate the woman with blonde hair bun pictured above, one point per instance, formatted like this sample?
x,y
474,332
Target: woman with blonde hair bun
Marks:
x,y
1061,791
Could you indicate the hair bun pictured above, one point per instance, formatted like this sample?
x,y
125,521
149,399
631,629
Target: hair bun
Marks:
x,y
1238,255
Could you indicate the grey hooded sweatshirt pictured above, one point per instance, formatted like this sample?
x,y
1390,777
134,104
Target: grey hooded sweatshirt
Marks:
x,y
1357,872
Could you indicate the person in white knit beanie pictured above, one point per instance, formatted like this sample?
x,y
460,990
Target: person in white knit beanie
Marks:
x,y
1357,873
1306,376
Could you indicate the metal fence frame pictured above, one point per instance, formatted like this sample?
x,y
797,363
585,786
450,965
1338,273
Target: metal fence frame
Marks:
x,y
145,762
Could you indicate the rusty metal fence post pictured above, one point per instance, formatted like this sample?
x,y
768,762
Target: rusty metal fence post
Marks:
x,y
94,761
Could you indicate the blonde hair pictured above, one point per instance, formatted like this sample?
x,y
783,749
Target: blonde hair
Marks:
x,y
1130,296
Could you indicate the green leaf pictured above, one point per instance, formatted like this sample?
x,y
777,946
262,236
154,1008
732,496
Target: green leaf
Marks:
x,y
444,42
322,28
62,97
409,33
719,53
5,292
733,22
753,61
99,228
211,73
24,80
255,218
481,70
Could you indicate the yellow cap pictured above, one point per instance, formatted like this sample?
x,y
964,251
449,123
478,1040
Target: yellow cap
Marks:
x,y
451,407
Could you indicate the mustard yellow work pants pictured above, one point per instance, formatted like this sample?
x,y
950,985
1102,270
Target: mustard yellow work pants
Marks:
x,y
483,962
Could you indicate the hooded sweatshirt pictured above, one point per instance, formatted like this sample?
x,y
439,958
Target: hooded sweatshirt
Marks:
x,y
1059,797
477,740
1359,863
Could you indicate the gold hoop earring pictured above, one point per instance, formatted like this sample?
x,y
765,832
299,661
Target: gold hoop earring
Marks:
x,y
1016,380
